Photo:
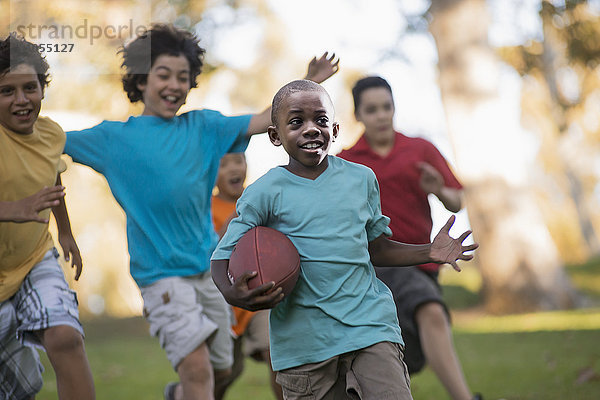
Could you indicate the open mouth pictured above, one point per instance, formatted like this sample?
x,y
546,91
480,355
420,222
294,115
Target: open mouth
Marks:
x,y
235,181
311,145
173,100
22,114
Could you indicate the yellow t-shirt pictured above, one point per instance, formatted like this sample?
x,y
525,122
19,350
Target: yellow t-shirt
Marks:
x,y
27,164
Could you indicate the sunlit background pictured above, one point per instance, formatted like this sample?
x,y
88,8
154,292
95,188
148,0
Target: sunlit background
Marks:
x,y
529,157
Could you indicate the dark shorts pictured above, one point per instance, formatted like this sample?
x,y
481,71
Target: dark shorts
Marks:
x,y
412,288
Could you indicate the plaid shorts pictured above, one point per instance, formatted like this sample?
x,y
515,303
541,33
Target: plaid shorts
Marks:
x,y
43,300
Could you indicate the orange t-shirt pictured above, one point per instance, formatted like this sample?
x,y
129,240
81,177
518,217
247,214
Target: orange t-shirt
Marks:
x,y
221,211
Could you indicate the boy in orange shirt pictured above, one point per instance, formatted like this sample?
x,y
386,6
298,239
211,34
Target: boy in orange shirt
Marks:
x,y
251,328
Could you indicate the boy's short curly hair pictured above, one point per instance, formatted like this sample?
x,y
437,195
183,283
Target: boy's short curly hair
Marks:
x,y
142,52
367,83
15,50
300,85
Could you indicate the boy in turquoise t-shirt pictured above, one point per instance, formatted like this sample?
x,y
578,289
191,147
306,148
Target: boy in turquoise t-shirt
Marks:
x,y
336,334
161,168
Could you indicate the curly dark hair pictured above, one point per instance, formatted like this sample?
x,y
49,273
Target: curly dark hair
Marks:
x,y
367,83
15,50
140,54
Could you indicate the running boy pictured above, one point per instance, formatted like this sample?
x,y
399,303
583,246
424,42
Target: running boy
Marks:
x,y
336,334
37,308
408,170
251,328
161,168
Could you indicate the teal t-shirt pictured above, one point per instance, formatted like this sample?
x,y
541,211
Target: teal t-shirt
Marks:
x,y
162,172
338,304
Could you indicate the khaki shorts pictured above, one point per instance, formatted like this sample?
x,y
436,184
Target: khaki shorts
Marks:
x,y
375,372
185,312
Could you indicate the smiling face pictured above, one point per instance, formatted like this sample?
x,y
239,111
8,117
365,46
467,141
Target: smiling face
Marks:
x,y
166,86
20,99
305,128
376,112
231,176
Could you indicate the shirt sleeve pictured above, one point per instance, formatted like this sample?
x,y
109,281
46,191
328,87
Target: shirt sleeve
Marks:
x,y
248,217
437,160
231,132
378,224
88,146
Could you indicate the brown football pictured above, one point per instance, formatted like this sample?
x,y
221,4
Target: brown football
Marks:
x,y
268,252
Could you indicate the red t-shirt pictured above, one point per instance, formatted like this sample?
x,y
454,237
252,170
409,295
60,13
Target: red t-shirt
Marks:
x,y
402,198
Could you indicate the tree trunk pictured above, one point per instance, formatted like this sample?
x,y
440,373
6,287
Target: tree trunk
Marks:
x,y
520,267
553,59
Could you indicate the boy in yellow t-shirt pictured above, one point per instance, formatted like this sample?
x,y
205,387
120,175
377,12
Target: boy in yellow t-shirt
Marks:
x,y
36,305
251,329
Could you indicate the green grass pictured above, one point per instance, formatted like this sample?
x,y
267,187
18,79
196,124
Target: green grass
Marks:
x,y
550,355
128,364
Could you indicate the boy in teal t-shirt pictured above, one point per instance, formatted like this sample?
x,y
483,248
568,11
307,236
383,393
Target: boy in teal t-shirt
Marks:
x,y
337,333
161,168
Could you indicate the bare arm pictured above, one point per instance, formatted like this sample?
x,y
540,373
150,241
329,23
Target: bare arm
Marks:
x,y
65,236
318,71
238,294
443,250
433,182
27,209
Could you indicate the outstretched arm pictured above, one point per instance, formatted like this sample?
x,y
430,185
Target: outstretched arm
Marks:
x,y
238,294
65,236
27,209
443,250
319,69
432,181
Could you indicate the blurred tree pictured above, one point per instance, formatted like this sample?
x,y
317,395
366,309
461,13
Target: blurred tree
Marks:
x,y
520,266
561,101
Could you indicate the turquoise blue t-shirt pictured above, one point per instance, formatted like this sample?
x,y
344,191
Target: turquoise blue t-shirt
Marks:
x,y
162,172
338,304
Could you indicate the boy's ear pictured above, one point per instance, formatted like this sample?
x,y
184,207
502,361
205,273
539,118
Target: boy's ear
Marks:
x,y
141,85
274,135
336,130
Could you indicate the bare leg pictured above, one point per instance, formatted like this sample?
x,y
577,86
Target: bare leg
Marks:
x,y
275,387
66,352
438,347
196,376
224,381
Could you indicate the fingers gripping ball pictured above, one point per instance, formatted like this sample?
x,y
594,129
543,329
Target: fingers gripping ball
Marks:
x,y
268,252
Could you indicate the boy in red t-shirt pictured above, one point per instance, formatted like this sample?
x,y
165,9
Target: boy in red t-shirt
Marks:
x,y
251,328
408,170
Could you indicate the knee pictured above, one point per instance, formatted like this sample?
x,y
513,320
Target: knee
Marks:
x,y
432,315
194,369
61,339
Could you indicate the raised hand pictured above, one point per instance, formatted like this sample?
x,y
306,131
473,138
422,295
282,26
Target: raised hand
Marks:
x,y
446,249
322,68
431,180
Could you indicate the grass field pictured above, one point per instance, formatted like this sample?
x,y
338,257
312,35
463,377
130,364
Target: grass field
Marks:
x,y
552,355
